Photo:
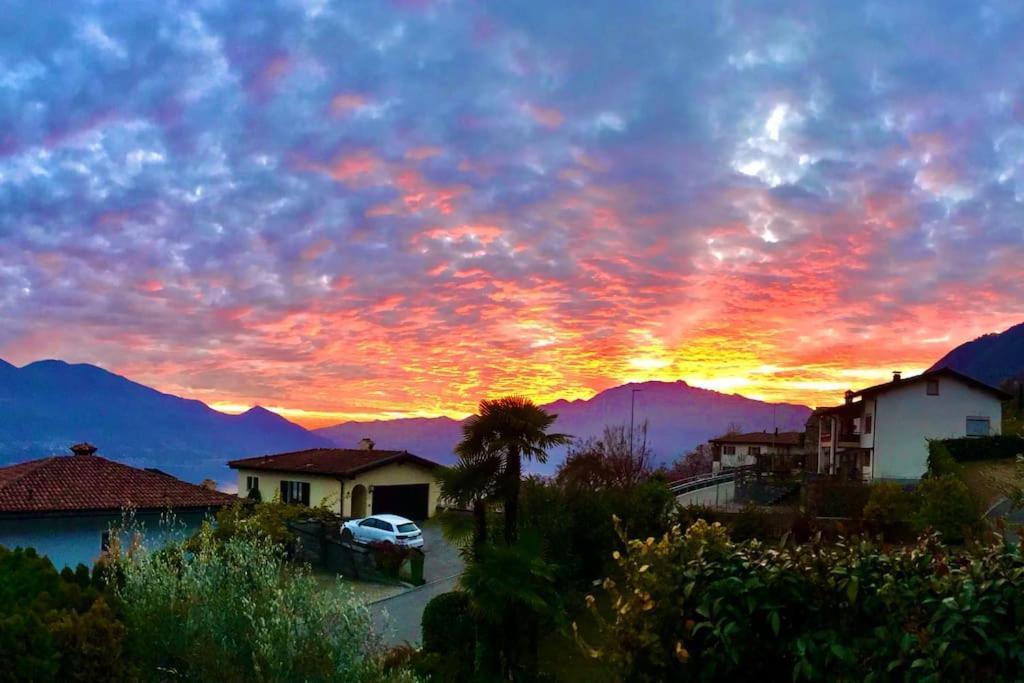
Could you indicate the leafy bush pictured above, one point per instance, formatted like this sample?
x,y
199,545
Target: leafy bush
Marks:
x,y
751,522
969,449
269,520
837,497
945,504
889,509
448,633
235,610
447,623
697,606
940,461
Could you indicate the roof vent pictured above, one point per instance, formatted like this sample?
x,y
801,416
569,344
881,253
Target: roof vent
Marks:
x,y
848,396
897,375
83,449
366,444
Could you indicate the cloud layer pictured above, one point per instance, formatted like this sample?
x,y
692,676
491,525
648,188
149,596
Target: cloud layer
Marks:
x,y
359,209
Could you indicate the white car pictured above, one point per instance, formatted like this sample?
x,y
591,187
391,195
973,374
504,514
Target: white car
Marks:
x,y
383,529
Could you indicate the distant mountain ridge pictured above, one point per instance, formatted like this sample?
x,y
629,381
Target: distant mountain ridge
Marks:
x,y
48,405
991,358
679,417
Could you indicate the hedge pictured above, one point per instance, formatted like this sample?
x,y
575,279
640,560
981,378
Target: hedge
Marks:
x,y
697,606
971,449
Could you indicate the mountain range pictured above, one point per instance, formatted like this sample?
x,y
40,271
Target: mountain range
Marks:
x,y
678,415
992,358
48,405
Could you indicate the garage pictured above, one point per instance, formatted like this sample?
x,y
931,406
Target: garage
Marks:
x,y
405,500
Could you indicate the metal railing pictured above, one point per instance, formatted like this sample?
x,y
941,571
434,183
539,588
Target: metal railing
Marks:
x,y
700,481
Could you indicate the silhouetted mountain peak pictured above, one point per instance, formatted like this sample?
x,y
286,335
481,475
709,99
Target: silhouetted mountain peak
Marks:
x,y
992,358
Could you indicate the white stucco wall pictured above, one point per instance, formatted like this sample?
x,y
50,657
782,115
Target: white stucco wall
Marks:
x,y
907,417
722,493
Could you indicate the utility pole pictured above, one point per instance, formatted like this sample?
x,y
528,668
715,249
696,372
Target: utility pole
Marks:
x,y
632,407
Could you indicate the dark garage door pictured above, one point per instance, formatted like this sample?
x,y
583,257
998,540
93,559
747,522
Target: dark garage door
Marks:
x,y
409,500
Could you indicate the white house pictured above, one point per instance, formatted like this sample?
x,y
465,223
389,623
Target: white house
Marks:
x,y
740,450
882,432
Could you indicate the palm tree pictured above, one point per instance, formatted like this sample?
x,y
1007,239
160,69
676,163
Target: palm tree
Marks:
x,y
471,483
502,433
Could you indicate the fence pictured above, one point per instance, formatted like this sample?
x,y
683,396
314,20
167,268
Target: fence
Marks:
x,y
321,546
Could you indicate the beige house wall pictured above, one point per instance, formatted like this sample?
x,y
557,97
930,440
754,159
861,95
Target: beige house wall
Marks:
x,y
337,494
322,490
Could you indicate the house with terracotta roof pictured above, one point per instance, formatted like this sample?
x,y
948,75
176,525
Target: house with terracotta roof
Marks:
x,y
775,450
882,432
64,505
352,482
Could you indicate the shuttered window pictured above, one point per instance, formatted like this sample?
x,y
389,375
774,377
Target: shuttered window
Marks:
x,y
296,492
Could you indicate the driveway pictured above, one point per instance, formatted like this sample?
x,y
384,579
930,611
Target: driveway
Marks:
x,y
397,618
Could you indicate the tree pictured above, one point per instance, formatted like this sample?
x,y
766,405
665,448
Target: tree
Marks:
x,y
608,462
494,443
697,461
503,432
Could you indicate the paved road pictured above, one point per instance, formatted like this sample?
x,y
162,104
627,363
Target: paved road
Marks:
x,y
397,618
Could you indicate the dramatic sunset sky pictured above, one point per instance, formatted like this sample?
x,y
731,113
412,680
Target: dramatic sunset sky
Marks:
x,y
363,209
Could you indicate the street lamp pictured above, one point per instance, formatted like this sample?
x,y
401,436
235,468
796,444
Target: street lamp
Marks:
x,y
632,407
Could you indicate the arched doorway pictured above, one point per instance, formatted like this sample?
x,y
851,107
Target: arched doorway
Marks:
x,y
359,501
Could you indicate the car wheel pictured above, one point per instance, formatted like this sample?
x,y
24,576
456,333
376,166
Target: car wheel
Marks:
x,y
346,535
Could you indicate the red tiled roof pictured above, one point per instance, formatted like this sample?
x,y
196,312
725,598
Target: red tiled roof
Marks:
x,y
337,462
67,483
768,438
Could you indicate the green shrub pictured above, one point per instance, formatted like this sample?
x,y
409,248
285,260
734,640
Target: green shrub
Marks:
x,y
836,497
236,610
751,522
889,509
945,504
940,461
448,633
696,606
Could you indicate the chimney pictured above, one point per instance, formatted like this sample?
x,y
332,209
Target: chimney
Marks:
x,y
83,449
366,444
897,375
848,396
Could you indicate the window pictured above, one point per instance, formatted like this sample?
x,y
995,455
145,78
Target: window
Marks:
x,y
977,426
933,387
372,523
754,450
295,492
406,528
728,450
868,423
252,484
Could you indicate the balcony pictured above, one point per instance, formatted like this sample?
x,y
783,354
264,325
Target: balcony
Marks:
x,y
849,439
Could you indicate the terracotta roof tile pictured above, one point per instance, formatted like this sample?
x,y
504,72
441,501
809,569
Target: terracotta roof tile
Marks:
x,y
339,462
67,483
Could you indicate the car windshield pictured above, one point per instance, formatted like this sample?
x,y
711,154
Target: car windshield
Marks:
x,y
406,528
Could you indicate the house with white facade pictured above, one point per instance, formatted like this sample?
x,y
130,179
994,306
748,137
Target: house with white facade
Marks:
x,y
882,432
775,450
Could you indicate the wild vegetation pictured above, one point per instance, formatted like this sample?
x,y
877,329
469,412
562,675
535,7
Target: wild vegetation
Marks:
x,y
236,610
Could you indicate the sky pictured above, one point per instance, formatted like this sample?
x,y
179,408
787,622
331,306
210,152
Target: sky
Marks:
x,y
379,209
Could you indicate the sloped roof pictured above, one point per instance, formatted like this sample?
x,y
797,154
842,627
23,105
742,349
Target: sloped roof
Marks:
x,y
780,439
334,462
81,483
931,374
